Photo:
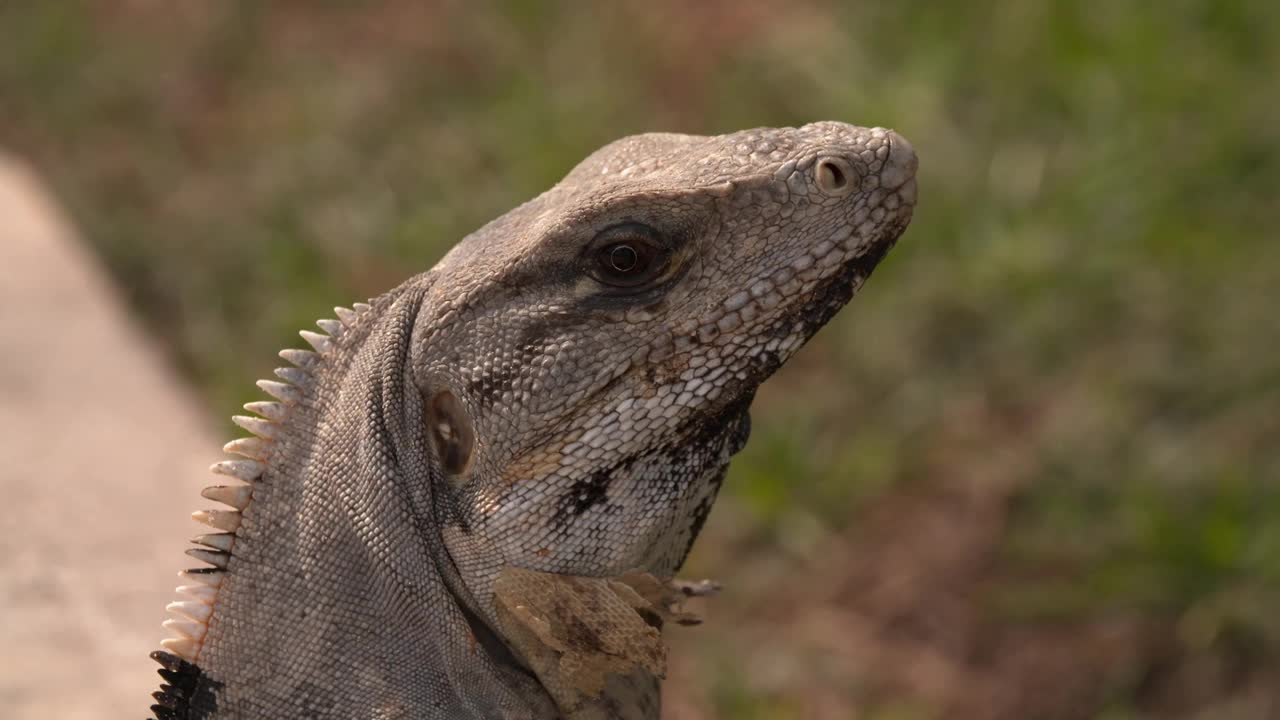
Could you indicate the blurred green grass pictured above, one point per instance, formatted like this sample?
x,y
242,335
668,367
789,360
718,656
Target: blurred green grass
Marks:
x,y
1091,286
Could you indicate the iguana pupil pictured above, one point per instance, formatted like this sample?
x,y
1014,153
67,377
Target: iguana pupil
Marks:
x,y
623,258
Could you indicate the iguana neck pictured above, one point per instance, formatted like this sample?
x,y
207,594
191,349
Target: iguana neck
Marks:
x,y
337,565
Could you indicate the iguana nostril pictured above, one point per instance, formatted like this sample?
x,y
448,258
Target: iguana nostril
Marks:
x,y
834,176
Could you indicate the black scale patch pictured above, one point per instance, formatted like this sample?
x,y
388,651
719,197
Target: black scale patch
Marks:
x,y
186,693
583,495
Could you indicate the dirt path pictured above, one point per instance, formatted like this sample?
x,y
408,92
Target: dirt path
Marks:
x,y
103,456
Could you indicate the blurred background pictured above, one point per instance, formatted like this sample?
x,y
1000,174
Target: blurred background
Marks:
x,y
1033,471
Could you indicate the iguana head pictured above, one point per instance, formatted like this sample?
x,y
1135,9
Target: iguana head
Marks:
x,y
590,356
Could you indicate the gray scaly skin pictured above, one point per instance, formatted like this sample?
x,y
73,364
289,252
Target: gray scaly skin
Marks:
x,y
561,393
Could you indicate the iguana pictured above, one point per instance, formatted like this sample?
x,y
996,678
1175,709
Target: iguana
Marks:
x,y
465,502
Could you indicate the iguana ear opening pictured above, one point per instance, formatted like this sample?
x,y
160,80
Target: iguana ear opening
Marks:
x,y
451,432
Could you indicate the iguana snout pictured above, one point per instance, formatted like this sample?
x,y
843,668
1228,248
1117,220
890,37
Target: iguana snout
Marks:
x,y
606,338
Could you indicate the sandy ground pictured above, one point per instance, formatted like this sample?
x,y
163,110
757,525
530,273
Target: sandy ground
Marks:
x,y
103,456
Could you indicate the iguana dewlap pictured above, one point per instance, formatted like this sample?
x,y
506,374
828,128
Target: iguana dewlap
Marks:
x,y
432,518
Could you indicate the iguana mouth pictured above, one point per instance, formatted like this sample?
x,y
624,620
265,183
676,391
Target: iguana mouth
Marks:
x,y
833,293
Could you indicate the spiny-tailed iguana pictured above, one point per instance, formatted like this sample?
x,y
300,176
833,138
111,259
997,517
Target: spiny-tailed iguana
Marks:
x,y
465,501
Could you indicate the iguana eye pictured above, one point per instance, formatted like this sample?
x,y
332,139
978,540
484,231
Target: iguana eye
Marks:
x,y
628,255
